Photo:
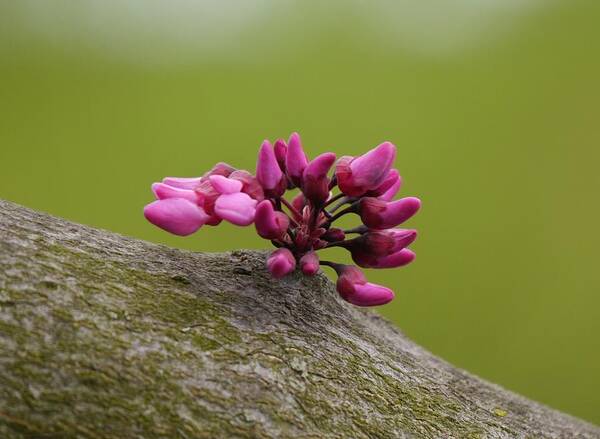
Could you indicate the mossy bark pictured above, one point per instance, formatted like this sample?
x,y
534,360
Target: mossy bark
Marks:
x,y
104,336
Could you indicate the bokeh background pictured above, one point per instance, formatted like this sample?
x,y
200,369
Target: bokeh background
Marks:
x,y
493,104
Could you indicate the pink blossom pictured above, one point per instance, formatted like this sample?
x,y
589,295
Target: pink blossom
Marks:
x,y
268,172
224,185
366,185
220,168
379,214
269,223
315,183
250,184
397,259
354,288
380,242
176,215
295,160
281,263
358,175
280,148
237,208
309,263
182,183
163,191
388,189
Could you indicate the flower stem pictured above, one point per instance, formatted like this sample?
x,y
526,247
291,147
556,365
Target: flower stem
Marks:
x,y
343,200
333,182
334,199
349,209
314,215
333,265
360,230
291,208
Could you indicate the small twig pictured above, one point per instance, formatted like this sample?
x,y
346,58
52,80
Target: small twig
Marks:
x,y
333,182
334,199
347,210
343,200
290,207
360,230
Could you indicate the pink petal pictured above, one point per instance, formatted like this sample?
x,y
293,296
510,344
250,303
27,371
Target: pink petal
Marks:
x,y
370,169
269,223
280,149
399,211
315,183
320,165
281,262
389,194
268,171
398,259
164,191
392,177
183,183
309,263
370,295
238,208
176,215
250,184
402,238
378,214
220,168
295,160
344,177
388,189
224,185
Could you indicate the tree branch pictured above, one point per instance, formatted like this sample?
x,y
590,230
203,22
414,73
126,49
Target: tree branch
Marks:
x,y
106,336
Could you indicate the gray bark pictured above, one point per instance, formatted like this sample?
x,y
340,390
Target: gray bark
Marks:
x,y
104,336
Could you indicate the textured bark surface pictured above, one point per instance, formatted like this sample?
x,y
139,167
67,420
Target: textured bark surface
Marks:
x,y
106,336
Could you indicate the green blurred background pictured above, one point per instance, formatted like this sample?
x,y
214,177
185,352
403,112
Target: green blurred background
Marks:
x,y
493,104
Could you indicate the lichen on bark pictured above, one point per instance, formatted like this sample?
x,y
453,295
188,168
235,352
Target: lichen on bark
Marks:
x,y
105,336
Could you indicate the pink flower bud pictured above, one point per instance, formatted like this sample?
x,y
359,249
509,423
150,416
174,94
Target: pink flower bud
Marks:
x,y
237,208
315,183
370,294
163,191
394,260
354,288
368,185
389,187
220,168
280,149
281,262
398,259
268,172
379,214
250,184
402,238
208,196
309,263
269,223
295,160
182,183
224,185
378,243
389,194
299,202
176,215
366,172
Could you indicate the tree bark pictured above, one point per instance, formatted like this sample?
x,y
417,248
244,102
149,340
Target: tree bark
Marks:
x,y
104,336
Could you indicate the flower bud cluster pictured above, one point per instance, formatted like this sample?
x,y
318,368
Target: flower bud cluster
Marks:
x,y
367,186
